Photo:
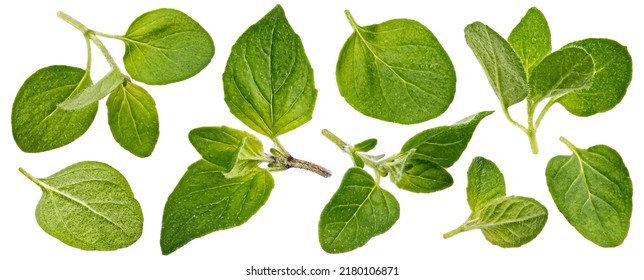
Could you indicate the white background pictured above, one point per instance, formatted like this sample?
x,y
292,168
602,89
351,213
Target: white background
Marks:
x,y
284,232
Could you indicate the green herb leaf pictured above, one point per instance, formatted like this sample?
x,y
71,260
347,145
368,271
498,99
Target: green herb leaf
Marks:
x,y
357,161
133,119
485,183
358,211
443,145
206,201
95,92
89,205
268,81
613,73
166,46
530,39
502,65
232,151
395,71
38,124
592,188
366,145
423,176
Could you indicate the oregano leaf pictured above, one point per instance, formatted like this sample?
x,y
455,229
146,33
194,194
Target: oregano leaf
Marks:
x,y
592,188
206,201
89,205
366,145
358,211
423,176
485,182
95,92
133,119
166,46
38,124
268,81
530,39
395,71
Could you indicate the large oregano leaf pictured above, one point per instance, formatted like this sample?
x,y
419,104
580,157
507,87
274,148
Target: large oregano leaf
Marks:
x,y
530,39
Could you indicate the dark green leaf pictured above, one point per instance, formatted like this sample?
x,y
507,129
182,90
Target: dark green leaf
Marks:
x,y
561,72
423,176
613,73
95,92
206,201
502,65
89,205
357,161
485,182
166,46
38,124
358,211
133,119
530,39
395,71
268,81
592,188
443,145
366,145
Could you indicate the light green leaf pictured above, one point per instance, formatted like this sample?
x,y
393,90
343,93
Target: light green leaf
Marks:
x,y
206,201
133,119
530,39
395,71
358,211
443,145
233,151
592,188
502,65
485,182
423,176
95,92
366,145
89,205
166,46
613,73
268,81
38,124
560,73
507,222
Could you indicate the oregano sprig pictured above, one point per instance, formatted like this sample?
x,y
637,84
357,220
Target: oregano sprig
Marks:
x,y
57,104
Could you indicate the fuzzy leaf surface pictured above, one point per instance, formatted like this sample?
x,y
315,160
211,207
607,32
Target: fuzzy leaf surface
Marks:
x,y
530,39
485,182
423,176
95,92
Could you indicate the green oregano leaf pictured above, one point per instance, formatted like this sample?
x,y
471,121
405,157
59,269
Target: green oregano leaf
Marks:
x,y
166,46
530,39
268,81
206,201
506,221
359,210
502,65
366,145
95,92
423,176
89,205
38,124
395,71
133,119
592,188
443,145
613,73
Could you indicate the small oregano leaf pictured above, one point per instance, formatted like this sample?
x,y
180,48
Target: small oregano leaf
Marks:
x,y
166,46
485,182
561,72
395,71
133,119
592,188
613,73
233,151
206,201
502,65
366,145
89,205
38,124
95,92
530,39
268,81
358,211
423,176
443,145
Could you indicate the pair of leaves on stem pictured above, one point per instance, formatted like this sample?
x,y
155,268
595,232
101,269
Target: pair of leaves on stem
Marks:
x,y
361,209
57,104
269,86
586,77
506,221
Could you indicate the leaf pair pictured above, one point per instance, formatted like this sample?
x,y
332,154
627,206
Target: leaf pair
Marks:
x,y
506,221
586,77
57,104
361,209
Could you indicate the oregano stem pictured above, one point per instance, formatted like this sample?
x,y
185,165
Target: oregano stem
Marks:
x,y
454,232
91,35
512,121
336,140
106,54
75,23
532,130
280,147
544,110
291,162
568,144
